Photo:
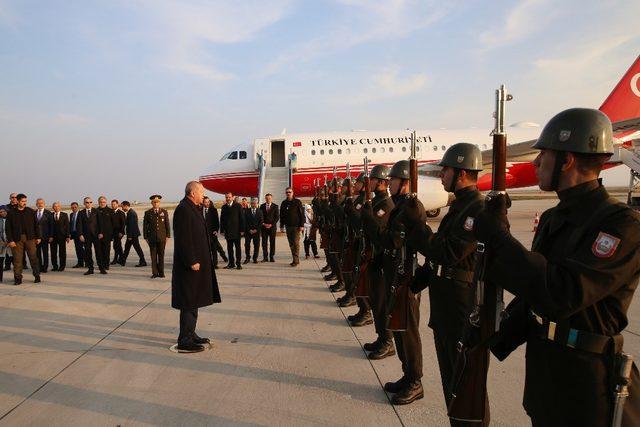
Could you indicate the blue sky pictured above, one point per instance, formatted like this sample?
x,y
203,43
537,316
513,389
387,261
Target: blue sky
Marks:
x,y
131,98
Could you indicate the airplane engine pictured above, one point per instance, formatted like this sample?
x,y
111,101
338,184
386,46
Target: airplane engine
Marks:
x,y
432,195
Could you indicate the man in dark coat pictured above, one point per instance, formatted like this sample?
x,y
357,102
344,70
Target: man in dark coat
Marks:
x,y
210,214
23,235
105,222
271,216
73,228
253,220
119,220
156,231
232,225
45,223
60,238
193,283
88,233
133,235
292,219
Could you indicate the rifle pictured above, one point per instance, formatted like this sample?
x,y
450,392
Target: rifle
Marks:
x,y
469,383
399,314
364,253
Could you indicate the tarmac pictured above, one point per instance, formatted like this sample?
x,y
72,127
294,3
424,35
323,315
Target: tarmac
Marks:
x,y
94,350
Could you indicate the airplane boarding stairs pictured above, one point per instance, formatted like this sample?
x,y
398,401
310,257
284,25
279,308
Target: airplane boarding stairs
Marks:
x,y
274,181
631,158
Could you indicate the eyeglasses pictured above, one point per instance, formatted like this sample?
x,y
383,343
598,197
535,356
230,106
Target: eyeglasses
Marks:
x,y
87,203
289,192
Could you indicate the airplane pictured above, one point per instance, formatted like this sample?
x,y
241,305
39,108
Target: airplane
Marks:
x,y
301,159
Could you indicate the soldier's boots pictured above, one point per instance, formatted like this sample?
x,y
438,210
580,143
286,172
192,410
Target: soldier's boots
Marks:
x,y
326,268
362,320
330,276
347,302
411,392
361,312
337,287
372,346
386,349
395,387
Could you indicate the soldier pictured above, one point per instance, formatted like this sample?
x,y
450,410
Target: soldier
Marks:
x,y
337,224
390,236
353,210
450,256
375,219
574,288
156,231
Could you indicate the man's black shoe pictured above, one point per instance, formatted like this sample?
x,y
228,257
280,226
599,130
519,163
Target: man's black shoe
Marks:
x,y
395,387
106,267
17,282
385,350
325,268
329,276
246,261
337,287
141,264
37,279
229,266
272,259
61,269
347,302
54,269
199,340
114,262
77,266
362,320
161,275
238,267
255,261
88,272
372,346
44,270
410,393
153,276
264,260
316,256
122,263
190,347
103,271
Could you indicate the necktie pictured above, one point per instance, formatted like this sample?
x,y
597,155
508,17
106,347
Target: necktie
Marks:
x,y
253,211
75,217
88,213
57,216
39,215
268,206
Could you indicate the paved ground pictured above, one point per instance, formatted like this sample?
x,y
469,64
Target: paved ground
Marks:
x,y
93,350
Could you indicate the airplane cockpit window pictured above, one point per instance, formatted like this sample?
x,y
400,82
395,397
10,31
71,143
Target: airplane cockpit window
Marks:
x,y
243,154
233,155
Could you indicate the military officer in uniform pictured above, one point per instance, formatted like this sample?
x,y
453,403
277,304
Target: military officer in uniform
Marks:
x,y
391,237
156,231
573,289
450,257
336,222
379,209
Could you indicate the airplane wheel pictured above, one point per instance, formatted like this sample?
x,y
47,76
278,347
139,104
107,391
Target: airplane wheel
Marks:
x,y
433,213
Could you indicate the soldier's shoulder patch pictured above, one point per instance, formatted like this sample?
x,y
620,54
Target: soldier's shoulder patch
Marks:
x,y
380,212
468,224
605,245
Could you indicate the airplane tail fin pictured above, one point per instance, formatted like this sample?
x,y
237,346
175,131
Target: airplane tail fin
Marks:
x,y
624,101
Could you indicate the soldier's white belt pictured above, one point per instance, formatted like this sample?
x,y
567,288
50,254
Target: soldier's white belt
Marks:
x,y
569,337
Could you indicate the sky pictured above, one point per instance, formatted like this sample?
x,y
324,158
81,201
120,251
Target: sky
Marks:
x,y
132,98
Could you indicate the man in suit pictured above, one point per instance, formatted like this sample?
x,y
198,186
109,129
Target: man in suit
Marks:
x,y
73,229
133,235
105,221
253,220
157,230
212,220
23,234
60,237
292,219
232,225
88,233
119,219
45,223
13,204
271,216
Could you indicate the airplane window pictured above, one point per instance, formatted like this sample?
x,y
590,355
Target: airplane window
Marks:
x,y
365,150
391,149
373,150
243,154
339,151
313,152
233,155
444,148
404,149
330,151
382,149
322,152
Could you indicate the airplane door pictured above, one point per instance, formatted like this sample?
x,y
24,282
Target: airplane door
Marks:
x,y
277,154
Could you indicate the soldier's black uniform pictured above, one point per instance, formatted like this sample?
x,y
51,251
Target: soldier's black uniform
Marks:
x,y
337,224
450,259
156,229
573,291
375,224
353,209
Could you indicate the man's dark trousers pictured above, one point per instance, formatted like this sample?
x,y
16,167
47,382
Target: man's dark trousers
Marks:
x,y
188,319
231,243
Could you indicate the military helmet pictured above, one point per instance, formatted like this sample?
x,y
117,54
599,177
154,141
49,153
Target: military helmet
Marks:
x,y
346,182
400,170
380,172
462,156
578,130
361,177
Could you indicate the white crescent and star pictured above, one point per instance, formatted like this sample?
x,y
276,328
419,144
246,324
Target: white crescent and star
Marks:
x,y
634,85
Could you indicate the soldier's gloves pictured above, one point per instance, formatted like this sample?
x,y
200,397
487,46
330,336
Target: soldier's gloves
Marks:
x,y
492,224
367,211
413,213
420,280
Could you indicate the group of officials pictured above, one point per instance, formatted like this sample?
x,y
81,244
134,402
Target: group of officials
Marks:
x,y
572,290
37,233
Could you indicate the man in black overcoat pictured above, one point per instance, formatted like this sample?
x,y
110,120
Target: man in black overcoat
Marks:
x,y
194,282
232,225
